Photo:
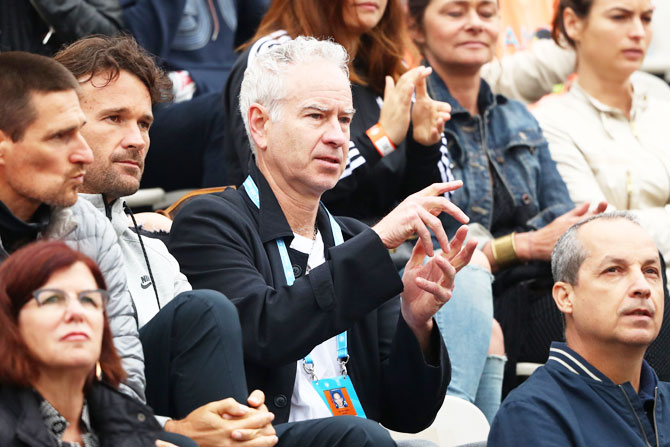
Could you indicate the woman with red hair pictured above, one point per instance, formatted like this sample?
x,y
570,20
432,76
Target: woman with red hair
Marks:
x,y
60,372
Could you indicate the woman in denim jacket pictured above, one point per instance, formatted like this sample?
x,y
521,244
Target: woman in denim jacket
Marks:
x,y
512,192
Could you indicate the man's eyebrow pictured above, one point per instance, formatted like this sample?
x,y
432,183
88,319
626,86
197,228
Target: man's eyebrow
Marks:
x,y
649,261
316,107
320,108
113,110
65,130
612,260
618,260
121,110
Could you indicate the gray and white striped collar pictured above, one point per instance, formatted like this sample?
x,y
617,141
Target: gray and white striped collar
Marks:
x,y
569,359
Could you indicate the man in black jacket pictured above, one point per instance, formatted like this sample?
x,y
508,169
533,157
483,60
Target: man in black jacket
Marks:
x,y
300,277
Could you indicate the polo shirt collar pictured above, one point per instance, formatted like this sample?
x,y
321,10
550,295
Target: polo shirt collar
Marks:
x,y
569,359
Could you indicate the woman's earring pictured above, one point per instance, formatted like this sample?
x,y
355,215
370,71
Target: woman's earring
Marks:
x,y
98,371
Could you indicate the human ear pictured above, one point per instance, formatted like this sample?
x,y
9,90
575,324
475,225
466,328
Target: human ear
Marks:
x,y
258,125
563,296
573,25
5,143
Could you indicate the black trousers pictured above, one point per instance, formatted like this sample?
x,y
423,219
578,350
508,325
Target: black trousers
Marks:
x,y
340,431
193,356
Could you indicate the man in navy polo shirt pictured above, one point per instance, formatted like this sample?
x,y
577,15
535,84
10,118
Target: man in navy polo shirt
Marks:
x,y
597,389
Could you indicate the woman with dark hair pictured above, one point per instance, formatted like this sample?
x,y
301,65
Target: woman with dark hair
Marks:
x,y
383,166
60,371
609,134
515,198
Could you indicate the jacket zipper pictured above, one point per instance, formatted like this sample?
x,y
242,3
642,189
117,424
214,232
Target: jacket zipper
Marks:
x,y
637,417
51,28
215,19
656,426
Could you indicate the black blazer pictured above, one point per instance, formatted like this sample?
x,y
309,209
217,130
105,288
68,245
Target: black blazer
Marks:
x,y
117,419
223,242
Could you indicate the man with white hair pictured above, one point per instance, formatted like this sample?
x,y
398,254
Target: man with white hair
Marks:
x,y
318,295
597,389
191,338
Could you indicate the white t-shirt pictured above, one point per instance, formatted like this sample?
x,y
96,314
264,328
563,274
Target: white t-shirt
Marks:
x,y
305,401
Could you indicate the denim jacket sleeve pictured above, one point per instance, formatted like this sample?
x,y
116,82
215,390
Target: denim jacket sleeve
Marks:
x,y
552,193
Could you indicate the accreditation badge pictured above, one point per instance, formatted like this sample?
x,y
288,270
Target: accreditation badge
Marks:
x,y
339,395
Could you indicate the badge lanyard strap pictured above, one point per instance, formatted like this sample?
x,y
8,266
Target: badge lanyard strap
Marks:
x,y
342,350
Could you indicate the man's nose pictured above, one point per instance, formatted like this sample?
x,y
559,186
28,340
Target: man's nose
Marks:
x,y
337,134
134,138
81,153
640,287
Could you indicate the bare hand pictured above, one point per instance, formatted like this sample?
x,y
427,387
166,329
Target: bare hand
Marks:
x,y
160,443
428,115
395,113
416,214
226,423
427,287
543,240
257,400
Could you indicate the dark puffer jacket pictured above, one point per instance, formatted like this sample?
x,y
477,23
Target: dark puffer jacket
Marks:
x,y
117,419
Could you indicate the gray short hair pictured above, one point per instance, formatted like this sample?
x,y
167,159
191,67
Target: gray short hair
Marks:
x,y
569,253
264,80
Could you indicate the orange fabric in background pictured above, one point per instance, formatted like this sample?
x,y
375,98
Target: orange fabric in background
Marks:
x,y
521,19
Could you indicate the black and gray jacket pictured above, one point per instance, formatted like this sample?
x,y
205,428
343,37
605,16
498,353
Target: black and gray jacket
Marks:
x,y
116,419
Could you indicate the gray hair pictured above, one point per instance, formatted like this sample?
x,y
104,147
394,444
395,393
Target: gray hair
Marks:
x,y
569,253
264,79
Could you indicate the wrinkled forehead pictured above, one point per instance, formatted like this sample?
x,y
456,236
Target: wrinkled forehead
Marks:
x,y
616,238
56,111
315,79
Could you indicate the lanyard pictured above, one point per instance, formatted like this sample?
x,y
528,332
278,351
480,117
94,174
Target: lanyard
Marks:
x,y
342,351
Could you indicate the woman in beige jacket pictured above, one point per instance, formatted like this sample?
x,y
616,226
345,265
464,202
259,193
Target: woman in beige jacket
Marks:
x,y
610,134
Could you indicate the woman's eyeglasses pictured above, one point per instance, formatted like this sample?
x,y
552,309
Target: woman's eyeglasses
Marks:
x,y
57,298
